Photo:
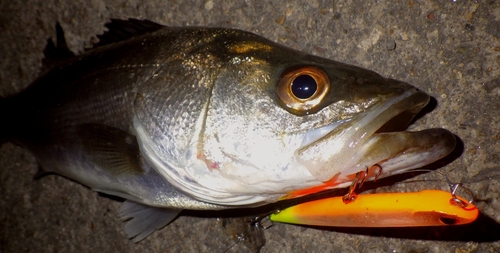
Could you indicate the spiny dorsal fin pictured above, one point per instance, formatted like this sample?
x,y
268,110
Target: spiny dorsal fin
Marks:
x,y
142,220
55,53
120,30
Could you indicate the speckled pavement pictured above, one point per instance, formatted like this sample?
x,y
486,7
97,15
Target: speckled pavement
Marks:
x,y
450,49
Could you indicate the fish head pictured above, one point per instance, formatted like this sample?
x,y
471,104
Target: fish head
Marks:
x,y
273,120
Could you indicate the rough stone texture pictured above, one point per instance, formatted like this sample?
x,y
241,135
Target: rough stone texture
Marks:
x,y
450,49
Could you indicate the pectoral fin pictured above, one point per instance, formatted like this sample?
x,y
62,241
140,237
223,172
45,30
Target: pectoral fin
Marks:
x,y
143,220
112,149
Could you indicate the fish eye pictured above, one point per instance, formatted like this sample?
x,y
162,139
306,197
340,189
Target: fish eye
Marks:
x,y
303,89
304,86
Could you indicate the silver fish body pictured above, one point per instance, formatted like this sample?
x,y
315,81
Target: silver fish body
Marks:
x,y
209,118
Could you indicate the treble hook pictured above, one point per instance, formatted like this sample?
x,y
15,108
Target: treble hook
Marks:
x,y
358,182
455,200
379,171
453,188
263,221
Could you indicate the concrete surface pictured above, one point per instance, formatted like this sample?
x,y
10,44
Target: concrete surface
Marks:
x,y
450,49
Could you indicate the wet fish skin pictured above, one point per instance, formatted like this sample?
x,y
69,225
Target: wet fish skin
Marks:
x,y
76,120
147,118
100,87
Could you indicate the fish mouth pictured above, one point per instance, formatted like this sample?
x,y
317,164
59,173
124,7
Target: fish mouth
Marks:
x,y
373,138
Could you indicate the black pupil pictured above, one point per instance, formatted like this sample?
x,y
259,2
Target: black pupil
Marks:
x,y
304,86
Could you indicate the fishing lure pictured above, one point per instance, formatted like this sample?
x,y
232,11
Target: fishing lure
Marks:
x,y
424,208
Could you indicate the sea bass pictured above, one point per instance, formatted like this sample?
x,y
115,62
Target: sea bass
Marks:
x,y
208,118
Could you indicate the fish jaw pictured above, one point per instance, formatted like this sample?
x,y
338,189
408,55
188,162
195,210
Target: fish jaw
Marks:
x,y
406,150
358,144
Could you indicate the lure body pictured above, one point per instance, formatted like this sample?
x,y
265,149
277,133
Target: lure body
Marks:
x,y
415,209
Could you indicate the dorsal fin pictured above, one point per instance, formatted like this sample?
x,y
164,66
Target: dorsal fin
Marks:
x,y
120,30
55,53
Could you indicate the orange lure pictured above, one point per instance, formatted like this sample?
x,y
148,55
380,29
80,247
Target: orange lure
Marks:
x,y
425,208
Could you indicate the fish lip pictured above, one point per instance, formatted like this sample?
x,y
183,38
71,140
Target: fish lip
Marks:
x,y
410,149
347,144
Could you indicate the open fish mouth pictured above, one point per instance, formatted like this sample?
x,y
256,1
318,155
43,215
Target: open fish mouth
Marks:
x,y
374,138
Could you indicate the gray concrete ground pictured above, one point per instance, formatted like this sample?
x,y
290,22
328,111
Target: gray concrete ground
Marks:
x,y
450,49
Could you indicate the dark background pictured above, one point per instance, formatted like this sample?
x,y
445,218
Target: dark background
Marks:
x,y
449,49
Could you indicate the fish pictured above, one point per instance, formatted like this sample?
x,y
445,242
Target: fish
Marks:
x,y
197,118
